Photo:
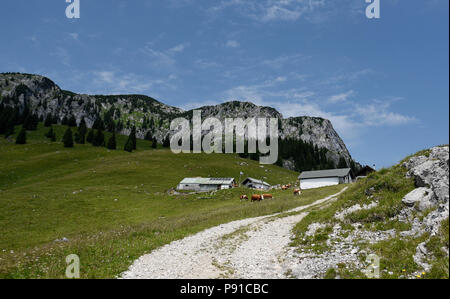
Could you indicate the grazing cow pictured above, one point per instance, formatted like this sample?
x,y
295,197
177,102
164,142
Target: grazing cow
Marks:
x,y
289,186
284,187
257,197
267,196
244,197
297,192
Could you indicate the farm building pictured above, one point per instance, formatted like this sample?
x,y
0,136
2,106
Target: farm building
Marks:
x,y
322,178
256,184
206,184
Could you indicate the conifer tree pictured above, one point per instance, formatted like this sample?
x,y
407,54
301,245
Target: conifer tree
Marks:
x,y
65,121
72,122
154,143
50,133
68,139
98,124
342,163
48,120
133,137
31,122
112,142
90,136
166,142
22,137
128,145
99,139
149,136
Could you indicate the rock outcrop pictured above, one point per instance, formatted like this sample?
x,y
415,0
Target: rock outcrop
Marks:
x,y
431,175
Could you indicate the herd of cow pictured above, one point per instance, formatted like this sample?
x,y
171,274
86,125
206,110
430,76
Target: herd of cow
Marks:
x,y
260,197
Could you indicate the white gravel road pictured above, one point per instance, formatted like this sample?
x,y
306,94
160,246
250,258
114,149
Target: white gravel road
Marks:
x,y
249,248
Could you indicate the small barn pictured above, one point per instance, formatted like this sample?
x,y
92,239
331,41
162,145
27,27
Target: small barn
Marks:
x,y
206,184
256,184
322,178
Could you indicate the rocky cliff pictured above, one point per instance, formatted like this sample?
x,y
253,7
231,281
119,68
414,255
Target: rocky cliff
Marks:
x,y
42,96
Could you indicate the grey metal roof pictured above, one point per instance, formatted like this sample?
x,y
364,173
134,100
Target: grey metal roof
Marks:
x,y
208,181
256,181
325,173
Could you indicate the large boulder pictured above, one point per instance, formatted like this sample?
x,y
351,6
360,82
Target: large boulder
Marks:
x,y
421,198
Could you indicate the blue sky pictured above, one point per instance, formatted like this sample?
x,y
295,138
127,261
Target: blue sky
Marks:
x,y
383,83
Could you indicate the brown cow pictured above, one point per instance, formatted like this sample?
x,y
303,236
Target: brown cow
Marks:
x,y
297,192
244,197
267,196
289,186
257,197
284,187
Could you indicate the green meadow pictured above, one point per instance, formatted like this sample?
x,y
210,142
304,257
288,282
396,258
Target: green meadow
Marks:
x,y
114,206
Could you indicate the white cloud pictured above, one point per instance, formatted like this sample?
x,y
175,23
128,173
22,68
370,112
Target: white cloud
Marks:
x,y
378,114
163,58
339,98
232,44
74,35
120,83
178,48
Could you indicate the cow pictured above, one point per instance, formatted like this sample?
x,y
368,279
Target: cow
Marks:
x,y
297,192
289,186
257,197
284,187
267,196
244,197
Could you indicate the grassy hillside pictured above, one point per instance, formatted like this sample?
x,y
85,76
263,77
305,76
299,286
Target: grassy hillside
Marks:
x,y
113,206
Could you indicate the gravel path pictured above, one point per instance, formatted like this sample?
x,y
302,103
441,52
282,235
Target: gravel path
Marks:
x,y
249,248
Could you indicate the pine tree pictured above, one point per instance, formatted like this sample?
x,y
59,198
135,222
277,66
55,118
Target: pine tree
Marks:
x,y
99,139
128,145
154,143
112,142
148,136
50,133
22,137
342,163
65,121
166,142
133,137
31,122
68,139
48,120
98,124
72,122
90,136
81,132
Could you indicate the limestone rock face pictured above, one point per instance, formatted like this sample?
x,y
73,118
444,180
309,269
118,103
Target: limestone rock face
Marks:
x,y
431,174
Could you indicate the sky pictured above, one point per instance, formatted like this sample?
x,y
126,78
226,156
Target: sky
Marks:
x,y
383,82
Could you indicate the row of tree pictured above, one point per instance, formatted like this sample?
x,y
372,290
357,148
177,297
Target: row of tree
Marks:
x,y
305,156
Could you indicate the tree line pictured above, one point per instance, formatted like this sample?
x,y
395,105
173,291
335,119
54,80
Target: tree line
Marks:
x,y
12,117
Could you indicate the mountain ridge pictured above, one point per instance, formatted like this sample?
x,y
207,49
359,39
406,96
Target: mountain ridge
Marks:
x,y
43,96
